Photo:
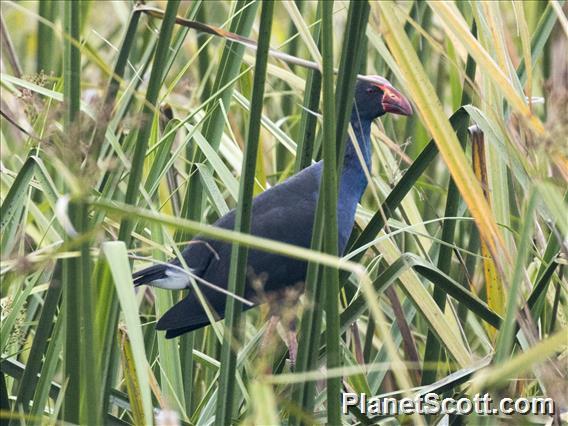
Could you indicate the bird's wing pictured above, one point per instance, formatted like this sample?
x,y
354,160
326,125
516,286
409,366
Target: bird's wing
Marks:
x,y
283,213
188,314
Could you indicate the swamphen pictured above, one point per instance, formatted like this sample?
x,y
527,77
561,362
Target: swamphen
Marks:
x,y
285,213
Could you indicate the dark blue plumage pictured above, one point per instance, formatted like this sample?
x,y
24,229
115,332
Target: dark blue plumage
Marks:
x,y
285,213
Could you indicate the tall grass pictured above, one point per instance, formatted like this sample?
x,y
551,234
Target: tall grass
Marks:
x,y
124,134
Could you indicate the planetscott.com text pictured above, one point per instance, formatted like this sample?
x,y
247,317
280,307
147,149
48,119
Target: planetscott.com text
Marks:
x,y
432,403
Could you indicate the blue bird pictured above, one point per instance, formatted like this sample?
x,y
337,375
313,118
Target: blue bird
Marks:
x,y
284,213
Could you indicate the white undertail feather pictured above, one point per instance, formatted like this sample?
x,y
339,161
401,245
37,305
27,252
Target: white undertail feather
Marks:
x,y
176,280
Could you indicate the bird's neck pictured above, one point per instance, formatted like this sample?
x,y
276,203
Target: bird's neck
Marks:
x,y
353,176
353,180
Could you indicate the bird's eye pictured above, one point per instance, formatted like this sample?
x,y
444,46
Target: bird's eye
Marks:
x,y
370,90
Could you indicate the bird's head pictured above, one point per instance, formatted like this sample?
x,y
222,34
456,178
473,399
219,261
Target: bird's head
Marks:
x,y
375,96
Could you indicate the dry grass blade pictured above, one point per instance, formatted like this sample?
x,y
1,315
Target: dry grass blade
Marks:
x,y
494,290
429,106
452,18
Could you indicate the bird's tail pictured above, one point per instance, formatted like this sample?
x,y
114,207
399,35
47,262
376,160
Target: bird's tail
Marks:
x,y
149,274
188,315
169,276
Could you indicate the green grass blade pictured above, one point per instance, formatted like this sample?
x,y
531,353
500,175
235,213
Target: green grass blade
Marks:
x,y
179,38
132,191
239,254
431,273
213,190
264,404
72,267
171,377
349,67
45,330
46,59
215,162
429,107
454,21
16,196
458,121
44,388
114,84
536,301
432,348
9,322
147,114
308,120
229,69
555,202
506,337
328,192
498,374
131,379
8,47
117,259
540,36
189,172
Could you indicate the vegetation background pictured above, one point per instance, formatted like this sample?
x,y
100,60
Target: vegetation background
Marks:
x,y
123,134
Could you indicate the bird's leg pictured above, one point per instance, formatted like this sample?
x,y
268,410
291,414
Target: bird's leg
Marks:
x,y
272,322
288,310
292,343
267,340
292,348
